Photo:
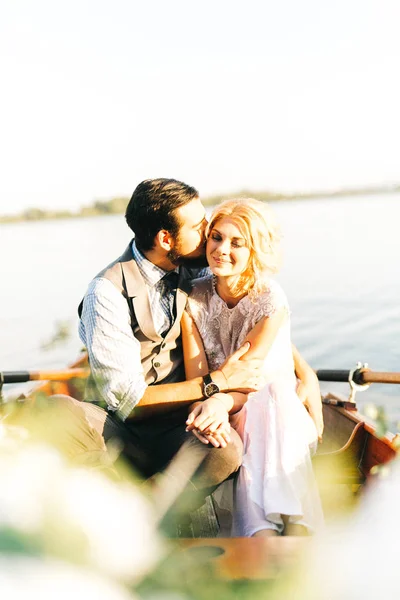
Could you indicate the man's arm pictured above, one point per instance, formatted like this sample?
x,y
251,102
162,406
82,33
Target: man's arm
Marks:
x,y
114,356
308,390
234,374
113,350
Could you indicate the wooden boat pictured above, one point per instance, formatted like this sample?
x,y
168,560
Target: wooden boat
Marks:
x,y
345,464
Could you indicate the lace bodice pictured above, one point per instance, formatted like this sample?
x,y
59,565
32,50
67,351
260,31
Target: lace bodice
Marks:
x,y
223,329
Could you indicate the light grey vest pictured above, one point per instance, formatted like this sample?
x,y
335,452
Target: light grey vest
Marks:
x,y
162,357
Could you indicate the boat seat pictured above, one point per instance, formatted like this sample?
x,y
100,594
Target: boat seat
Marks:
x,y
343,465
239,559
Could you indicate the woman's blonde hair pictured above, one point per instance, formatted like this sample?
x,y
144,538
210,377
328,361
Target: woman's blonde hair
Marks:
x,y
258,225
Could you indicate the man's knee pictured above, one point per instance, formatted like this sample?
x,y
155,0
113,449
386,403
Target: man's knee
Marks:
x,y
234,453
229,458
220,463
61,422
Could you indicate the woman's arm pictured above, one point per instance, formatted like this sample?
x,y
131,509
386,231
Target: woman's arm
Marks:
x,y
211,415
194,356
261,338
263,334
195,361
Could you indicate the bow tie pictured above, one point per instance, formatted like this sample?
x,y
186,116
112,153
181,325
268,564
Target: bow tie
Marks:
x,y
171,280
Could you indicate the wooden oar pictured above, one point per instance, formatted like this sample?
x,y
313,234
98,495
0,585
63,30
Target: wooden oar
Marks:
x,y
359,376
22,376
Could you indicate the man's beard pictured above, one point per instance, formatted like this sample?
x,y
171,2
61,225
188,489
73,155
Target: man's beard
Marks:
x,y
194,263
191,262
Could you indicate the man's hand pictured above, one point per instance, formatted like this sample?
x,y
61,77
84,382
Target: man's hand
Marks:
x,y
309,393
308,390
243,375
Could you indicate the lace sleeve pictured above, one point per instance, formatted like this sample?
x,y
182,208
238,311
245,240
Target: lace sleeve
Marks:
x,y
271,301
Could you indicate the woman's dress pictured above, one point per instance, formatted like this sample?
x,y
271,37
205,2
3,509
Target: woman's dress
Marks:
x,y
276,477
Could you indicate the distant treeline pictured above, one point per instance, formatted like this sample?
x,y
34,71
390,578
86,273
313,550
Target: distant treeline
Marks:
x,y
118,205
99,207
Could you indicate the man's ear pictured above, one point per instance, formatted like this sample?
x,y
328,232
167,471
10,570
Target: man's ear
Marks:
x,y
164,240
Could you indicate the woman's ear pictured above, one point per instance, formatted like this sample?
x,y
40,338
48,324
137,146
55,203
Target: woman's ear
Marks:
x,y
164,240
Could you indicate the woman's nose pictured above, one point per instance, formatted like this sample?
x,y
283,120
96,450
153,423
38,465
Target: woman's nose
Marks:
x,y
224,246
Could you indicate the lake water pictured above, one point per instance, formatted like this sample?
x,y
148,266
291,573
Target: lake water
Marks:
x,y
341,274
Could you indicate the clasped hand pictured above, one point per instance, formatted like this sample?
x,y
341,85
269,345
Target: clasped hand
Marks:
x,y
209,420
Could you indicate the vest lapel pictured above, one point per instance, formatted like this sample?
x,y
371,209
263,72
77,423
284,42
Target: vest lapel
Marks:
x,y
136,289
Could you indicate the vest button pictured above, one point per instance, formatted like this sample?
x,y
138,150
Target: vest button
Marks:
x,y
157,364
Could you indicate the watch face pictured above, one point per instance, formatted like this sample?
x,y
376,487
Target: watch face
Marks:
x,y
210,389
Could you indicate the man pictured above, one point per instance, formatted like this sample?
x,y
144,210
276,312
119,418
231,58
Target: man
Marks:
x,y
130,324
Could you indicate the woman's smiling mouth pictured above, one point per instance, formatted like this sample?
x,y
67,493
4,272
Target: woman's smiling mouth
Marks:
x,y
220,261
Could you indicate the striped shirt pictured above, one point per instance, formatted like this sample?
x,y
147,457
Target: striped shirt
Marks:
x,y
105,329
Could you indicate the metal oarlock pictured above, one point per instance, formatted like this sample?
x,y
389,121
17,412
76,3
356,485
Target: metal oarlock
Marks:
x,y
355,376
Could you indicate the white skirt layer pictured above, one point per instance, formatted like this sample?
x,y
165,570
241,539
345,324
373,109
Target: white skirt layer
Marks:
x,y
276,477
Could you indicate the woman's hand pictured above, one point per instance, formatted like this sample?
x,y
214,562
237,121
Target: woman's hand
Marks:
x,y
209,420
219,439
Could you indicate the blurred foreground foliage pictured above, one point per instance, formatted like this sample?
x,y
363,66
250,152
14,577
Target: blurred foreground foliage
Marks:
x,y
87,530
62,333
78,530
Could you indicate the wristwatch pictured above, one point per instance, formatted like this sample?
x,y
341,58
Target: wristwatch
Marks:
x,y
209,386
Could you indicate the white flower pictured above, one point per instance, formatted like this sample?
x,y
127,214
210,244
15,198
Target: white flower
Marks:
x,y
357,559
23,577
118,523
28,476
77,513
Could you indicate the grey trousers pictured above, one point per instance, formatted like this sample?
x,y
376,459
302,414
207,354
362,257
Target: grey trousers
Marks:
x,y
87,435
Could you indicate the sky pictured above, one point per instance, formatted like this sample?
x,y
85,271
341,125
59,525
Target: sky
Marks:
x,y
283,95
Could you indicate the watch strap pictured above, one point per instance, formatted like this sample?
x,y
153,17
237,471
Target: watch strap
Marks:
x,y
207,379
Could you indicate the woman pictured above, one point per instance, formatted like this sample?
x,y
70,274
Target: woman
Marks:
x,y
275,491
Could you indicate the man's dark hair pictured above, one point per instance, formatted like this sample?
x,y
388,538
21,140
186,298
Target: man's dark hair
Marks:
x,y
153,206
